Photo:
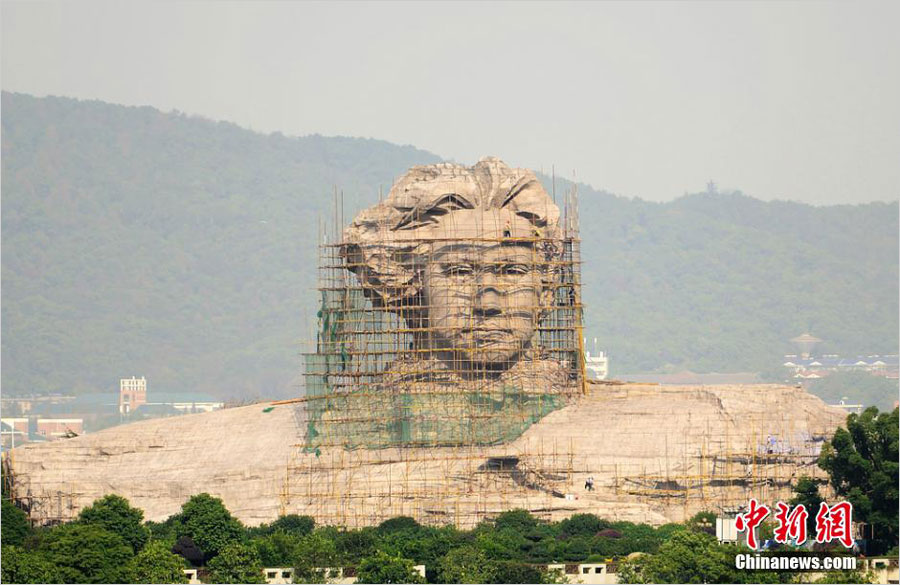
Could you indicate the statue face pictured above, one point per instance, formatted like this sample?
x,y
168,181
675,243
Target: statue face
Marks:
x,y
483,301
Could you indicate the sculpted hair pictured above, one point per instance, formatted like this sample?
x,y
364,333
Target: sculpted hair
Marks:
x,y
388,245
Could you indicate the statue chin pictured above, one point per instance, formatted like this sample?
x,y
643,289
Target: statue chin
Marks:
x,y
489,351
492,359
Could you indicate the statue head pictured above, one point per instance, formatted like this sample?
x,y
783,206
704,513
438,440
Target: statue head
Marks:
x,y
466,255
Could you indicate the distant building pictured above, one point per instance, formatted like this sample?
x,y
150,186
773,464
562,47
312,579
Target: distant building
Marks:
x,y
806,365
183,402
688,378
285,575
811,368
22,405
806,343
587,573
132,394
850,408
278,575
597,366
18,430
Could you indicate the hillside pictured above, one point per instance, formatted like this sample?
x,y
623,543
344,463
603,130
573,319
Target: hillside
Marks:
x,y
182,249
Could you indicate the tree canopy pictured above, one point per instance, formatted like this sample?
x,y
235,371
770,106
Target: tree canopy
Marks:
x,y
236,563
115,514
207,521
14,524
862,464
692,557
157,564
514,547
85,553
383,567
18,565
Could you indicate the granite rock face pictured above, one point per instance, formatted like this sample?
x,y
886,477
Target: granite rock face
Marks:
x,y
655,453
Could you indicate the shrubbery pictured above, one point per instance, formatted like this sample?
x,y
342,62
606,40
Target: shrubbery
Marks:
x,y
109,542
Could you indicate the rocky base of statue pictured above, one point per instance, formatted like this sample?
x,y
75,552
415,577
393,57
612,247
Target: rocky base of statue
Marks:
x,y
652,454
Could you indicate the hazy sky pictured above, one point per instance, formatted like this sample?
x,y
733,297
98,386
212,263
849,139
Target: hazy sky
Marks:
x,y
781,100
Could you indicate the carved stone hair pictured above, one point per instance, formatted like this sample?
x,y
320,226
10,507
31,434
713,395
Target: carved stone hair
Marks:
x,y
388,244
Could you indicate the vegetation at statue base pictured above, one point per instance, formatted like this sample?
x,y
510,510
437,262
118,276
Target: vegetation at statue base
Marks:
x,y
694,557
110,542
862,464
515,547
183,249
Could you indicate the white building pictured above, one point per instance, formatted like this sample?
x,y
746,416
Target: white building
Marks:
x,y
597,366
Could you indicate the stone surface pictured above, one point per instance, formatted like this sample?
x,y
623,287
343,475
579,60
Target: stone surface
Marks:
x,y
466,255
446,385
460,323
656,453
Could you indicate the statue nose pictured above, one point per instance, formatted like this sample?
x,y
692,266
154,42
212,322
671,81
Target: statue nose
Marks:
x,y
488,301
489,309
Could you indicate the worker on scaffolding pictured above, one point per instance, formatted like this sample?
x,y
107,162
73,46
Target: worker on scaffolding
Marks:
x,y
771,444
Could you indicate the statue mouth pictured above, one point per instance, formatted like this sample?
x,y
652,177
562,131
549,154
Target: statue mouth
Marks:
x,y
489,334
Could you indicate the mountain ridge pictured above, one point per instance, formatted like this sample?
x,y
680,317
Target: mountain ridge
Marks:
x,y
182,248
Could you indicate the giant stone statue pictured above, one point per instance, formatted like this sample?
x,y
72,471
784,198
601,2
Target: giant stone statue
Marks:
x,y
459,321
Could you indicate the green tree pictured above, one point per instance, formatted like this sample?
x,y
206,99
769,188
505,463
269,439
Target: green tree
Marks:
x,y
703,522
505,544
354,545
163,530
383,567
14,526
276,549
398,524
86,553
425,545
691,557
115,514
157,564
293,524
520,520
466,564
844,577
582,525
21,566
517,572
207,521
315,553
236,563
807,493
862,465
642,537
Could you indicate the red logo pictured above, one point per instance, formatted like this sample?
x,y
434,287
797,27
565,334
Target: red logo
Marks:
x,y
834,523
791,526
749,521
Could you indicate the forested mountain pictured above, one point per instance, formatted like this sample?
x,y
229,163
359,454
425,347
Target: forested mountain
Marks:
x,y
136,242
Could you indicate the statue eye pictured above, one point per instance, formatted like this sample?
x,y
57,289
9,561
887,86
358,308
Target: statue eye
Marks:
x,y
458,270
515,269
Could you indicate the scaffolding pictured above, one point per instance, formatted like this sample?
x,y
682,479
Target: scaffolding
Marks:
x,y
449,328
47,509
720,469
489,342
437,348
443,485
